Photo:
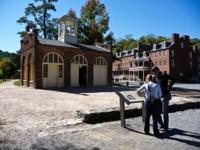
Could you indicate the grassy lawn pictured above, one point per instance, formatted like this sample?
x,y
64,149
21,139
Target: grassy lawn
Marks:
x,y
17,83
1,81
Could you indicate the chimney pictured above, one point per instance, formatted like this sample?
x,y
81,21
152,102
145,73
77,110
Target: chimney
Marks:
x,y
187,38
175,37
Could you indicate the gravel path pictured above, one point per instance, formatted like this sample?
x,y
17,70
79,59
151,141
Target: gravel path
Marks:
x,y
47,119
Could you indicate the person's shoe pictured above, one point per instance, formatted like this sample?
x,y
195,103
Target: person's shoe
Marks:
x,y
157,134
147,133
162,128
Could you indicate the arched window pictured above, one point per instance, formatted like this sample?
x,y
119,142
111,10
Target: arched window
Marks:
x,y
79,59
100,61
53,58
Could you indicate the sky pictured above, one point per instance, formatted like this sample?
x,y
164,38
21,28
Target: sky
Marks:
x,y
127,17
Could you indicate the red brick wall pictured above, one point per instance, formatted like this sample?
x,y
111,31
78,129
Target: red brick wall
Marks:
x,y
30,46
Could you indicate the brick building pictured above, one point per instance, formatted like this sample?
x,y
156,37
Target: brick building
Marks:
x,y
64,62
177,57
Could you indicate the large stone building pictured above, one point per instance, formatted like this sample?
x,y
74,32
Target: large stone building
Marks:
x,y
64,62
177,57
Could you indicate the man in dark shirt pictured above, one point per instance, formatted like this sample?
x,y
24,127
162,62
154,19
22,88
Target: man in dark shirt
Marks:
x,y
166,82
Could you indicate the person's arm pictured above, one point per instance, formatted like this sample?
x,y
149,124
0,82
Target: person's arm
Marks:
x,y
141,91
159,92
172,81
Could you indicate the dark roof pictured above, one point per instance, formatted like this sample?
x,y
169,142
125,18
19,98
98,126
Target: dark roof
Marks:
x,y
93,47
55,43
83,46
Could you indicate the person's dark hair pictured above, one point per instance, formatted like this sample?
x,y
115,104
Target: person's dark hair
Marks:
x,y
155,68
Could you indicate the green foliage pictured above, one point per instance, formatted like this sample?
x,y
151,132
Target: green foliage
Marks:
x,y
15,58
195,42
152,39
37,16
110,41
93,23
4,54
17,83
125,44
8,70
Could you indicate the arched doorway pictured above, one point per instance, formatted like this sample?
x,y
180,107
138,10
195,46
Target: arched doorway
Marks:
x,y
23,72
79,75
53,70
30,70
100,71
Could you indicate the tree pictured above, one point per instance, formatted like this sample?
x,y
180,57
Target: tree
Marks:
x,y
195,42
126,43
151,39
8,70
93,23
109,41
37,16
15,58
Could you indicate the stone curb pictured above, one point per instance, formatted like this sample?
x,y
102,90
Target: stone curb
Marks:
x,y
93,117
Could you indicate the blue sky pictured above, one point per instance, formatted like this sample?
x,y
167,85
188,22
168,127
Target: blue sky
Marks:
x,y
135,17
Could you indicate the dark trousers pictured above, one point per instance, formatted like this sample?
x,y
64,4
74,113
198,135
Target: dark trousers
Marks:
x,y
151,109
165,109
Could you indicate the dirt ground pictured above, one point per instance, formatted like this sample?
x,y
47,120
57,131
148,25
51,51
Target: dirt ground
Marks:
x,y
27,114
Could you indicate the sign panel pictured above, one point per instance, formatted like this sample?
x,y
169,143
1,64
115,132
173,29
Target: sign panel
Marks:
x,y
130,96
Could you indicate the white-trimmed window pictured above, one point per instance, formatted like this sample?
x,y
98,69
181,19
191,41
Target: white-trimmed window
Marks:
x,y
160,63
164,44
102,62
182,45
60,71
45,73
53,58
79,59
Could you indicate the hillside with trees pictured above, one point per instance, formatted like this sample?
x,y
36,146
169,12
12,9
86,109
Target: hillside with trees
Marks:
x,y
9,64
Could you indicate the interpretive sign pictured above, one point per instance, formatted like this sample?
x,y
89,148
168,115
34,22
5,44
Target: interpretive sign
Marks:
x,y
129,97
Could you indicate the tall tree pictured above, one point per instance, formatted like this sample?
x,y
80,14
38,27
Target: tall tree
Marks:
x,y
93,23
109,41
15,58
126,43
37,15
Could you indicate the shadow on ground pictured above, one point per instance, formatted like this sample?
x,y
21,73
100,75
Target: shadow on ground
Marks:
x,y
171,135
49,145
85,90
99,117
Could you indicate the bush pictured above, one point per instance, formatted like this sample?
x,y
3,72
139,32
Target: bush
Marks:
x,y
8,70
17,83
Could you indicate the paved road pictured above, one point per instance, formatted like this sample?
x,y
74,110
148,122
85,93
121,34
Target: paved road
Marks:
x,y
187,86
41,119
184,134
